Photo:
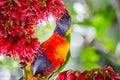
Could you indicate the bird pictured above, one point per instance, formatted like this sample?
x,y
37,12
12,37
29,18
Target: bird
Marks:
x,y
55,52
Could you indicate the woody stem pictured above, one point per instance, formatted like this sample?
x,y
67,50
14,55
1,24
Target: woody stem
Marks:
x,y
23,68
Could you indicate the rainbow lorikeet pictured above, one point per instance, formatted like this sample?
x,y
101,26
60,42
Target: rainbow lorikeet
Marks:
x,y
54,52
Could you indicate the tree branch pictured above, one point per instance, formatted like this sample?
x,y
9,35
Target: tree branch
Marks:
x,y
23,67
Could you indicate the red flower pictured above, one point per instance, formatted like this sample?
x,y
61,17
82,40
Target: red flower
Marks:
x,y
82,75
26,51
68,75
62,76
112,73
4,46
73,75
3,2
17,21
106,73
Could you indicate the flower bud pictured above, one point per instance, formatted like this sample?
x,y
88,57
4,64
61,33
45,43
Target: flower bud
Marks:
x,y
106,73
68,75
62,76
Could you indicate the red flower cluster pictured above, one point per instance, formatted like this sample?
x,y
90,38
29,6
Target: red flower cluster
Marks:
x,y
106,73
17,21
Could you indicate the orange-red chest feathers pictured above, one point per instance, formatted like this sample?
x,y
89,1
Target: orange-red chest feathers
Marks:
x,y
56,49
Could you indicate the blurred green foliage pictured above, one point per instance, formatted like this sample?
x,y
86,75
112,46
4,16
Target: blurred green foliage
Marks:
x,y
8,63
89,58
102,17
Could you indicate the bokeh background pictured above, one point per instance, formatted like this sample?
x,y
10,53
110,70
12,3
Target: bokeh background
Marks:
x,y
95,37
